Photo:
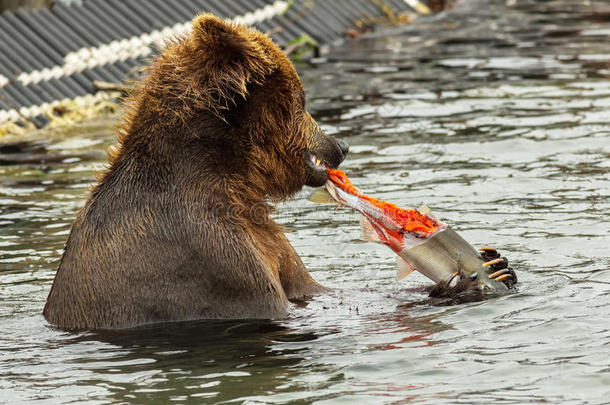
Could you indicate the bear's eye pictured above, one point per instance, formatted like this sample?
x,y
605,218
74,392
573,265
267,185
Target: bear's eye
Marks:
x,y
303,99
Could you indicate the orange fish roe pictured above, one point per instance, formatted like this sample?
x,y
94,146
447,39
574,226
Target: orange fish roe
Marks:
x,y
411,220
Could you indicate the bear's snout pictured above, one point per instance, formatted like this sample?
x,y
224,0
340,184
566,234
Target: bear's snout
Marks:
x,y
328,153
344,146
335,152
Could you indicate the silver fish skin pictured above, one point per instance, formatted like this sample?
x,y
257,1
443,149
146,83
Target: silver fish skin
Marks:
x,y
446,253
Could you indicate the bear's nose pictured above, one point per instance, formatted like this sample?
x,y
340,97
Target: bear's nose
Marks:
x,y
344,148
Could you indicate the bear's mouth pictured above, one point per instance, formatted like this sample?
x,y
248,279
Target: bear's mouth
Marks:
x,y
318,164
316,170
329,153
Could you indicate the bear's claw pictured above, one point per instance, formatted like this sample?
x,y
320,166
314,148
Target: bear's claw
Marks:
x,y
498,273
498,266
492,262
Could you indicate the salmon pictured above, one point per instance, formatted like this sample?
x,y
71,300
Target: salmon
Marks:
x,y
422,242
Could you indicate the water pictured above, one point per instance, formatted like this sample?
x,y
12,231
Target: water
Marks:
x,y
498,118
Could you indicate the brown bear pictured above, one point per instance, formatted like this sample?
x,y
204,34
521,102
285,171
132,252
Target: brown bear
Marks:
x,y
178,227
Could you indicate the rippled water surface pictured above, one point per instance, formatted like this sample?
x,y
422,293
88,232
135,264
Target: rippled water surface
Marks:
x,y
496,117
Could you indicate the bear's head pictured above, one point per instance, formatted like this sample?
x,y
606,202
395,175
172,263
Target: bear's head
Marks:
x,y
229,92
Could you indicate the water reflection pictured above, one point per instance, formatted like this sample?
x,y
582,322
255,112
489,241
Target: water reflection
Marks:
x,y
198,359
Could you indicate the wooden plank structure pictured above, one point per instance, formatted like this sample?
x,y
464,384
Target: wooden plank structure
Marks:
x,y
50,56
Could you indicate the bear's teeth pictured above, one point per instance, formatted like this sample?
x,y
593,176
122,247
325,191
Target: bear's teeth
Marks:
x,y
316,161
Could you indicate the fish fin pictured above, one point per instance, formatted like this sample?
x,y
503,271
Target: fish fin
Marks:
x,y
322,196
425,210
403,269
367,232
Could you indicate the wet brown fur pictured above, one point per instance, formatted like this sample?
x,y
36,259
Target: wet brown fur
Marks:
x,y
178,226
466,290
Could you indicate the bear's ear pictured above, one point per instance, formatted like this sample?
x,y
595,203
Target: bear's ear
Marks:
x,y
232,55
